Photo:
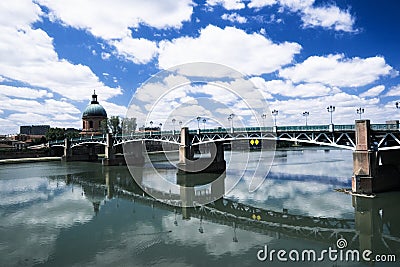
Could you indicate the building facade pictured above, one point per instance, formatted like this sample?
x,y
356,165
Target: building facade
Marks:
x,y
92,118
34,129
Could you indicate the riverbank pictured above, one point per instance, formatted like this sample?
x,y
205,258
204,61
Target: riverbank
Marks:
x,y
28,160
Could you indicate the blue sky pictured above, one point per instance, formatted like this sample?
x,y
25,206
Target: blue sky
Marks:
x,y
301,55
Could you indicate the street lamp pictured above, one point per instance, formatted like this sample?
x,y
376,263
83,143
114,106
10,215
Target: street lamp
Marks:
x,y
160,126
306,114
331,109
263,117
275,113
204,124
151,124
360,111
180,124
173,124
198,122
230,118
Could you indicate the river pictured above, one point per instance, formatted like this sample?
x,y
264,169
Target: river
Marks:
x,y
84,214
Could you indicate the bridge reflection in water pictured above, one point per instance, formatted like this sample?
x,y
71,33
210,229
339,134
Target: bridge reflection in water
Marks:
x,y
376,224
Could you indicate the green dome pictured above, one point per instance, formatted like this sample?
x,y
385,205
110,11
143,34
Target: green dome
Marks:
x,y
94,110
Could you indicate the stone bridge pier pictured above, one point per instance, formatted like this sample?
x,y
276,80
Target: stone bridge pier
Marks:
x,y
67,150
189,164
133,153
83,154
373,171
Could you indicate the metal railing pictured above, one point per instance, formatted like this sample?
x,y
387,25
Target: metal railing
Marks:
x,y
281,129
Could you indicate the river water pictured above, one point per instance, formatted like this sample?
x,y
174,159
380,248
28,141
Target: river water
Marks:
x,y
84,214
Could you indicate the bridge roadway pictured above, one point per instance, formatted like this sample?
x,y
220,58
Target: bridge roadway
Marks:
x,y
268,222
384,136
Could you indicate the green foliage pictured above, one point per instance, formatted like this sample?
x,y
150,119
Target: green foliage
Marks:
x,y
60,133
129,125
114,125
55,134
104,126
72,134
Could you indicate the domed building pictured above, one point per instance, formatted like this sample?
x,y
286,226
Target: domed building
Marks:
x,y
92,117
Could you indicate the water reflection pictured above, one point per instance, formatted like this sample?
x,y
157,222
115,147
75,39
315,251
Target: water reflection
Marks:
x,y
102,217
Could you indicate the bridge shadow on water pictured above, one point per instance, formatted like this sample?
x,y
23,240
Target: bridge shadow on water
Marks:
x,y
374,226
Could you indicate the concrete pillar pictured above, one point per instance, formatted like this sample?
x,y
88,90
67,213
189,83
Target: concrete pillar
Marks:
x,y
110,158
185,150
187,162
364,159
109,150
67,150
218,153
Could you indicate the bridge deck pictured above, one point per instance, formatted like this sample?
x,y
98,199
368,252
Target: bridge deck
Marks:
x,y
386,136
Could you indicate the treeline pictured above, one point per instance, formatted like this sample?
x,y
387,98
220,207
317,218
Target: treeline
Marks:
x,y
114,125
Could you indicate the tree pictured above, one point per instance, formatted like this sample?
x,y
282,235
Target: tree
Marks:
x,y
104,126
114,124
129,125
72,134
55,134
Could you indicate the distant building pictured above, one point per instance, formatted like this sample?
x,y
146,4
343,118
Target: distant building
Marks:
x,y
34,129
92,117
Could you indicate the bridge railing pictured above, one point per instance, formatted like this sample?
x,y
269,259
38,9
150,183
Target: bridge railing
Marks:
x,y
385,127
309,128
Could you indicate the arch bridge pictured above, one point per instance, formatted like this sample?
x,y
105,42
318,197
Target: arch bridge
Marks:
x,y
376,147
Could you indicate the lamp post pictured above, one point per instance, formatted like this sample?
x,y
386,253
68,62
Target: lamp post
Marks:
x,y
160,126
263,117
360,111
306,114
230,118
275,113
151,127
173,124
204,124
198,123
331,109
180,124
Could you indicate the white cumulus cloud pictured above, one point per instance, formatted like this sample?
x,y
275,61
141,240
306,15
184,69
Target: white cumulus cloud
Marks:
x,y
328,16
255,55
23,92
234,17
112,19
374,91
227,4
288,89
139,51
28,56
261,3
336,70
394,91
